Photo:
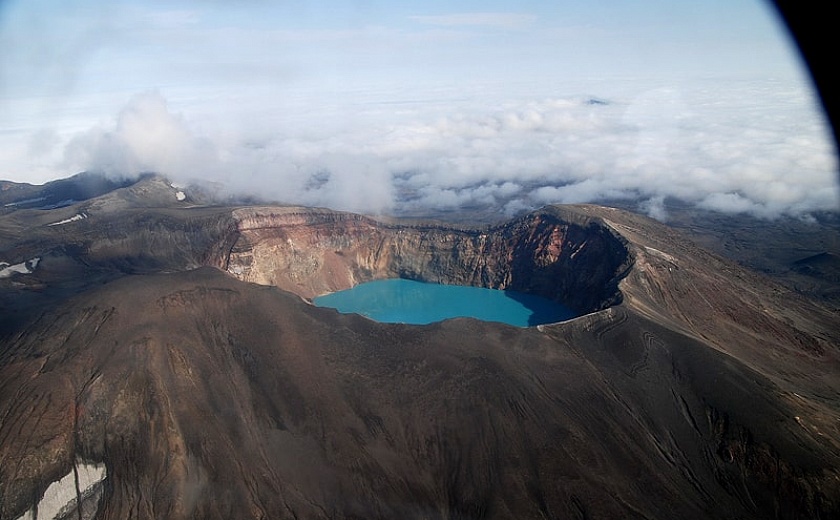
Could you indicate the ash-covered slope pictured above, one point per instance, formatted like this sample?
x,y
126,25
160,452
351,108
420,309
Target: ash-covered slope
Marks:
x,y
224,399
692,388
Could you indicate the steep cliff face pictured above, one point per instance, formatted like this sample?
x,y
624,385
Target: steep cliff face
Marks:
x,y
561,256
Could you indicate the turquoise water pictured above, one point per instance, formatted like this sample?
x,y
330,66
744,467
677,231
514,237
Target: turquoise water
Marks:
x,y
418,303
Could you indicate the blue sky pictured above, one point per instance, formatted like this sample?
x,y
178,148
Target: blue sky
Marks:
x,y
373,106
92,46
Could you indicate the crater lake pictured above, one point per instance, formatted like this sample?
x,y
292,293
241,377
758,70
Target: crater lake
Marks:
x,y
408,301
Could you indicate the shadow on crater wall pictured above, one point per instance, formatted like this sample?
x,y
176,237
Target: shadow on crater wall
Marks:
x,y
563,256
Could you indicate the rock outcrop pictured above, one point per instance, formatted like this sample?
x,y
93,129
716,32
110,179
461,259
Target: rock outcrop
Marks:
x,y
560,255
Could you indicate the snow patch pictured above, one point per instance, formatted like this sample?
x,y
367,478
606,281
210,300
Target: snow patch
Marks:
x,y
74,218
28,267
23,202
179,193
62,496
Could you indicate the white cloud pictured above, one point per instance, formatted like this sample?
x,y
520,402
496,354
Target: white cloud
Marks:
x,y
730,203
147,137
389,151
654,207
170,19
497,20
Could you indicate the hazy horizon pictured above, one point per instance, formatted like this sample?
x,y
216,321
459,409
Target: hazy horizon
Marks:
x,y
373,107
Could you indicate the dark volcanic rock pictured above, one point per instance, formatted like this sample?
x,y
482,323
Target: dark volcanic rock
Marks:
x,y
223,399
693,388
59,193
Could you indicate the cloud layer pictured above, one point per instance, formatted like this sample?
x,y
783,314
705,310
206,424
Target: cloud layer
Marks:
x,y
405,106
759,148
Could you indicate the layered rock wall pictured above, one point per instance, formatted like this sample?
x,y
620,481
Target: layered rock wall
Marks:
x,y
576,261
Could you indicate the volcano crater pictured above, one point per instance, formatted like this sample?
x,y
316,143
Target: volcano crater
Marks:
x,y
566,257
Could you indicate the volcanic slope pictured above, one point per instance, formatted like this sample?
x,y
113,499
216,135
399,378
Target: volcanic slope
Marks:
x,y
689,388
